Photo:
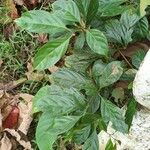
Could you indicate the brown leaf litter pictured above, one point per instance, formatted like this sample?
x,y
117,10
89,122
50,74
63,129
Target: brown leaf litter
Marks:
x,y
15,119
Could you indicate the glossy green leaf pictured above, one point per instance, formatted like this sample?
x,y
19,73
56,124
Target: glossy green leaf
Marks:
x,y
110,145
129,19
129,75
70,8
112,113
121,31
69,78
88,9
141,29
92,142
110,74
90,118
49,127
130,112
92,10
102,124
97,41
57,100
111,7
40,21
82,5
143,5
97,69
80,61
79,42
138,57
81,135
50,53
94,103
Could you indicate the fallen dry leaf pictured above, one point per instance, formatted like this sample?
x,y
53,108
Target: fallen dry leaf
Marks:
x,y
5,143
33,76
12,139
25,112
8,30
53,69
1,62
13,13
19,2
132,48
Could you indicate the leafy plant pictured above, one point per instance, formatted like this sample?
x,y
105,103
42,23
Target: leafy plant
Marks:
x,y
78,105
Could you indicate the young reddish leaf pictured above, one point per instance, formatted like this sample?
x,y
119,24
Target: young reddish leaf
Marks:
x,y
12,119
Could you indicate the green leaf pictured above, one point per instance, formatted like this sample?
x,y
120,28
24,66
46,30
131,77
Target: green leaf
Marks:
x,y
80,61
112,113
97,41
70,8
97,69
51,53
111,8
129,19
49,127
129,75
82,5
131,110
141,29
138,57
92,10
90,118
94,103
121,31
69,78
143,5
110,74
57,100
80,136
40,21
102,124
92,142
88,9
110,145
79,42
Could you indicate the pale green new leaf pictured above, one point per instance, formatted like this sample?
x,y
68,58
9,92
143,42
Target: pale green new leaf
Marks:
x,y
49,127
40,21
97,41
112,113
110,145
143,5
51,53
70,8
57,100
110,74
92,143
